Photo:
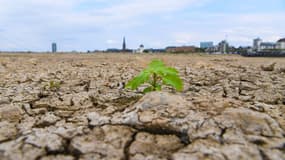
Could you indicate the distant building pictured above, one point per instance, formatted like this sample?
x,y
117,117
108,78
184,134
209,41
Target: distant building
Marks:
x,y
213,50
256,44
223,47
280,44
140,49
113,50
267,46
242,50
259,45
183,49
124,48
152,50
53,47
206,45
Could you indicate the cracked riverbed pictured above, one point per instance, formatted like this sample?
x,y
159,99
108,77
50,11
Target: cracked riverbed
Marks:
x,y
231,108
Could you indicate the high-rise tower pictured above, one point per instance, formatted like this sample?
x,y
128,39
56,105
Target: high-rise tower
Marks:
x,y
124,44
256,44
53,47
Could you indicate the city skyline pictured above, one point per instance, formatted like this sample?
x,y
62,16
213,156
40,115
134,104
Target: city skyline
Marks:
x,y
88,25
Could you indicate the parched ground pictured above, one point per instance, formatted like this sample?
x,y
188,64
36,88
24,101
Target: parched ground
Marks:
x,y
75,107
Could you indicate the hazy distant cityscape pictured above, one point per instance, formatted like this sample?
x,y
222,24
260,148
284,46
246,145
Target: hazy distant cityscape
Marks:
x,y
258,48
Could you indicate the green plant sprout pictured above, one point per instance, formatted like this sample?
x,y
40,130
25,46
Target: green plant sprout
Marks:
x,y
52,85
156,75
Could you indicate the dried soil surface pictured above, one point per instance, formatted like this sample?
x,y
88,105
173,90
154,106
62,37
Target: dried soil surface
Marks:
x,y
231,108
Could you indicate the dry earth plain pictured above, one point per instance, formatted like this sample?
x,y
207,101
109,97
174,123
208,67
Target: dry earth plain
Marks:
x,y
74,107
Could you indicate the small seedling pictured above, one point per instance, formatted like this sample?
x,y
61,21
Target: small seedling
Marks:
x,y
52,85
156,75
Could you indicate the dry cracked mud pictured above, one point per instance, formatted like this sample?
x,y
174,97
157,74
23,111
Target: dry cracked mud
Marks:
x,y
75,107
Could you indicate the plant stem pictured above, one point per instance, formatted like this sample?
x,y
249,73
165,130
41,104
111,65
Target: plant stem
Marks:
x,y
154,81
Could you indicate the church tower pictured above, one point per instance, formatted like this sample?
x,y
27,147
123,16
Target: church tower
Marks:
x,y
124,44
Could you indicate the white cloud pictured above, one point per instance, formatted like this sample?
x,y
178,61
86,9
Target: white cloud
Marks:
x,y
65,10
238,29
34,24
110,41
141,7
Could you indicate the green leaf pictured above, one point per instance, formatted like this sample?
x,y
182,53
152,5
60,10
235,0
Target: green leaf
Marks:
x,y
174,81
137,81
158,88
156,74
163,71
170,70
148,89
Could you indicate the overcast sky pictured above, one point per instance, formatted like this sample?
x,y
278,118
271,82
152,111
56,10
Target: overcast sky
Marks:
x,y
99,24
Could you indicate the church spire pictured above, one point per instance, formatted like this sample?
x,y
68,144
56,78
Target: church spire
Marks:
x,y
124,44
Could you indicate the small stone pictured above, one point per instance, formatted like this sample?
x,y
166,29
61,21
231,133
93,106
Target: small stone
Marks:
x,y
251,122
4,100
154,145
7,131
10,113
63,113
47,120
41,104
19,151
257,108
68,131
96,119
58,157
42,138
108,141
282,69
27,108
268,67
38,111
26,125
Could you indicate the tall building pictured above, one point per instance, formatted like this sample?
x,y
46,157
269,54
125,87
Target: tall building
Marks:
x,y
223,47
124,48
206,45
53,47
256,44
281,44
